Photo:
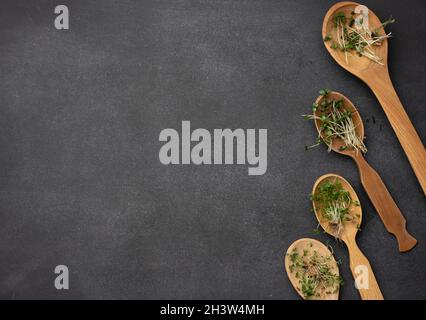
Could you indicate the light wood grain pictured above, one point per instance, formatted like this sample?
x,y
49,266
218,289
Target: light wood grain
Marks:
x,y
377,191
358,261
377,77
410,141
386,207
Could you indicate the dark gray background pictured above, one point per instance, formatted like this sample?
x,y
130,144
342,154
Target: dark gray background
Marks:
x,y
80,179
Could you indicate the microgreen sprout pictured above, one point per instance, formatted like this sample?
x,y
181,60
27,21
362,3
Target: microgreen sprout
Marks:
x,y
362,40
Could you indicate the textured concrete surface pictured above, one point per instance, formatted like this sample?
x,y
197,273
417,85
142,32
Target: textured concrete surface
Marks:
x,y
80,179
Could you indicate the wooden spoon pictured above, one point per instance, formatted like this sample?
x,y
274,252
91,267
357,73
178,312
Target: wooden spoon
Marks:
x,y
358,262
379,195
377,77
322,250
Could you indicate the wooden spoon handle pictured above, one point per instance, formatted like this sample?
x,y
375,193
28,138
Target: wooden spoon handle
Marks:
x,y
365,281
382,87
386,207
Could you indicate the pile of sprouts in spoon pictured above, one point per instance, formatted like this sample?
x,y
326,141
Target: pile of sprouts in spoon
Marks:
x,y
352,36
336,123
314,272
335,206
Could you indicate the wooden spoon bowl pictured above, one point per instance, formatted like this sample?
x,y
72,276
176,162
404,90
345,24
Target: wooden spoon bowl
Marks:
x,y
349,227
337,143
356,65
322,250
